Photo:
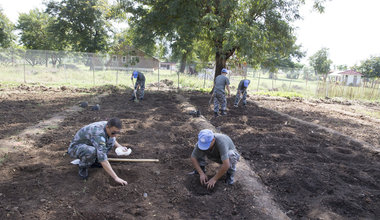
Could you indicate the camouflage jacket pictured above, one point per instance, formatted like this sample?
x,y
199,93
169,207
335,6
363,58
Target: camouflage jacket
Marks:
x,y
95,135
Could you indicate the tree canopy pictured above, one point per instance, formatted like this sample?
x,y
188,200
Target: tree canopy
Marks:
x,y
253,30
33,28
320,62
6,27
82,24
370,67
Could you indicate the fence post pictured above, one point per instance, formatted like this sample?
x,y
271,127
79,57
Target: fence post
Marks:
x,y
93,71
258,82
204,79
117,76
327,88
24,67
158,82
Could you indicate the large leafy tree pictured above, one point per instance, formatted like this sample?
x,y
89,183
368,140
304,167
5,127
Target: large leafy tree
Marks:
x,y
252,29
82,24
37,32
6,31
33,28
370,67
320,62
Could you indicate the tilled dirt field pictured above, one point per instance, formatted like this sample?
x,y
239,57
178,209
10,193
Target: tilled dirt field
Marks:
x,y
311,173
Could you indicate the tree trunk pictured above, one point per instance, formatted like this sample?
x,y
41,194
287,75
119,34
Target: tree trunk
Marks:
x,y
220,63
183,63
221,59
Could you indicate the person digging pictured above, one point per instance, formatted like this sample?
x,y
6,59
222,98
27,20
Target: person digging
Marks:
x,y
221,82
91,145
139,85
218,148
242,92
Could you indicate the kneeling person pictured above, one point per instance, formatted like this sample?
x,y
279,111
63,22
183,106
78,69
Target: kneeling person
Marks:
x,y
91,145
218,148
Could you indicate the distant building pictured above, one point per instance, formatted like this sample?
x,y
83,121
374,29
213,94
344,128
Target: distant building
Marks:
x,y
347,77
127,57
168,66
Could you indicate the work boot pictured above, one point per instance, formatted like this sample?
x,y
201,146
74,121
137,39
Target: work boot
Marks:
x,y
229,178
83,172
216,114
141,99
132,99
196,172
223,112
235,105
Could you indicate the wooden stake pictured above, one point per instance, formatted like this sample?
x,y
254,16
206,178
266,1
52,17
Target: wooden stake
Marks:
x,y
132,160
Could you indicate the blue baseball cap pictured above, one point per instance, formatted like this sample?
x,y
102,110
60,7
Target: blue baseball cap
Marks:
x,y
135,73
205,138
246,82
224,70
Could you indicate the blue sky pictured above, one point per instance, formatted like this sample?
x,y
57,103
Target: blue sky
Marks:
x,y
349,28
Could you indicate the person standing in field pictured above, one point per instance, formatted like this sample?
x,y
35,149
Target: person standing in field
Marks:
x,y
242,92
221,83
139,85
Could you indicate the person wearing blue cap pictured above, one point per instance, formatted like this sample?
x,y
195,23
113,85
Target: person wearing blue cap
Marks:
x,y
221,83
218,148
139,85
242,92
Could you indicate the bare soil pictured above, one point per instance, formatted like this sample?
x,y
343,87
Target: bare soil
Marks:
x,y
311,173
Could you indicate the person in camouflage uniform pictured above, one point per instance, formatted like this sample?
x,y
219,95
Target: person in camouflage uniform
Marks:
x,y
218,148
221,82
139,85
91,145
242,91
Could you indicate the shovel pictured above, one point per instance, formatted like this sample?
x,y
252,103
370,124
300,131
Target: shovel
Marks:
x,y
134,92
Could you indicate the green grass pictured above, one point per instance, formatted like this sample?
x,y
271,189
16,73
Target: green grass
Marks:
x,y
83,77
280,94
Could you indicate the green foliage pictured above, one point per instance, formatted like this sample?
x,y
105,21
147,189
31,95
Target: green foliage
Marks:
x,y
255,31
370,67
320,62
6,31
82,24
34,30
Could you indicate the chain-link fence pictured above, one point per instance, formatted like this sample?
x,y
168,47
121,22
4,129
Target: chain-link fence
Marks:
x,y
58,68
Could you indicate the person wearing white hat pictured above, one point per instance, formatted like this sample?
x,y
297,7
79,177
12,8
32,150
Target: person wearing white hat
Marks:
x,y
242,92
221,83
218,148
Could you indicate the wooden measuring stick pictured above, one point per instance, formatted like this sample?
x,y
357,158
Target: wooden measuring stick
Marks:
x,y
132,160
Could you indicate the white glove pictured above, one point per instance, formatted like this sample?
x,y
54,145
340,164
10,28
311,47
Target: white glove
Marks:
x,y
75,162
123,151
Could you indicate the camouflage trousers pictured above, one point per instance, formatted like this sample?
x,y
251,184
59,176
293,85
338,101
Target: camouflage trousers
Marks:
x,y
140,92
220,98
232,155
244,98
86,154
